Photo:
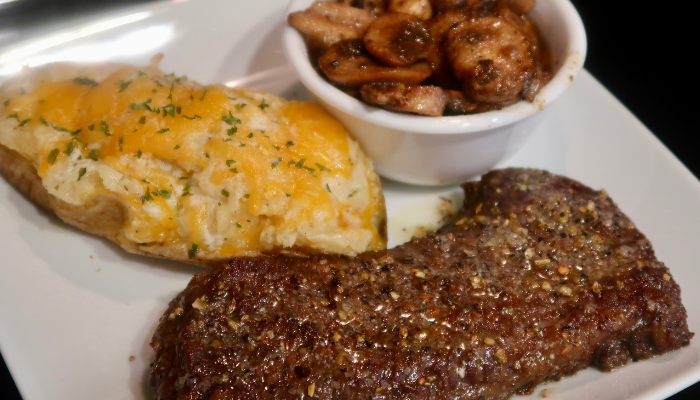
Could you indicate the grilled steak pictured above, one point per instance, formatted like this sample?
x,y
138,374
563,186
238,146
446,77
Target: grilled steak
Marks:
x,y
536,277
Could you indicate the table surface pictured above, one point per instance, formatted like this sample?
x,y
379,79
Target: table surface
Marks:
x,y
634,51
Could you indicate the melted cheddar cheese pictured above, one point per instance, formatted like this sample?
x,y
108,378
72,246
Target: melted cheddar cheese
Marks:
x,y
210,171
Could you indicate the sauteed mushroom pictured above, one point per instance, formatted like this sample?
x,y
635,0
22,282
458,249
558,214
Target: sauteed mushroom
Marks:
x,y
326,22
347,63
420,8
458,104
439,26
398,39
491,57
418,99
521,6
480,54
374,6
441,6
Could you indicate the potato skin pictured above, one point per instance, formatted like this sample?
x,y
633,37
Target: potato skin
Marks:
x,y
106,216
103,217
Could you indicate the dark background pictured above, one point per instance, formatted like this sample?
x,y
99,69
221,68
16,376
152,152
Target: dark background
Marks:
x,y
641,53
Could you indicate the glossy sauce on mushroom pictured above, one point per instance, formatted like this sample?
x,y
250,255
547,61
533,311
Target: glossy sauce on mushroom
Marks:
x,y
427,57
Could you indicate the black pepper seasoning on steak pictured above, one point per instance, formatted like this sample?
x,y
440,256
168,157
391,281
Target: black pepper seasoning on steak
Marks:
x,y
535,278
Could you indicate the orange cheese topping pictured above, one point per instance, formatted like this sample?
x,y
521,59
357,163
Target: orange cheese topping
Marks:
x,y
188,152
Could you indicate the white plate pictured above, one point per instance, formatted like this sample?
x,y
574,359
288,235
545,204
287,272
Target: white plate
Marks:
x,y
76,307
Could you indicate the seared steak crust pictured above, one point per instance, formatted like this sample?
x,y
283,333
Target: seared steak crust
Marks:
x,y
535,278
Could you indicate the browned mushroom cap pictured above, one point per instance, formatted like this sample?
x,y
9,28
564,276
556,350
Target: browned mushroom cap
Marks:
x,y
347,63
458,104
374,6
439,26
417,99
491,57
419,8
521,6
327,22
539,78
442,6
398,39
523,24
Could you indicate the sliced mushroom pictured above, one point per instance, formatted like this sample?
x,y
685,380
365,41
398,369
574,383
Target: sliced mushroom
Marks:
x,y
458,104
491,57
420,8
484,8
417,99
442,6
439,26
376,7
521,6
347,63
398,39
327,22
519,21
534,85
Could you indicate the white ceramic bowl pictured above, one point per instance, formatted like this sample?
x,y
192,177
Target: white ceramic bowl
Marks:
x,y
442,150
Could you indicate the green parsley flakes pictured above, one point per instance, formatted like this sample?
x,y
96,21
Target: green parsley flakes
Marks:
x,y
122,85
165,193
263,105
224,192
147,197
163,130
230,119
81,173
104,128
52,156
192,252
186,190
93,154
142,106
139,154
85,82
289,143
169,110
322,168
274,164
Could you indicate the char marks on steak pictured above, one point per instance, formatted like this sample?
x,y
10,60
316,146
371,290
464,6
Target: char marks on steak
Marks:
x,y
536,277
